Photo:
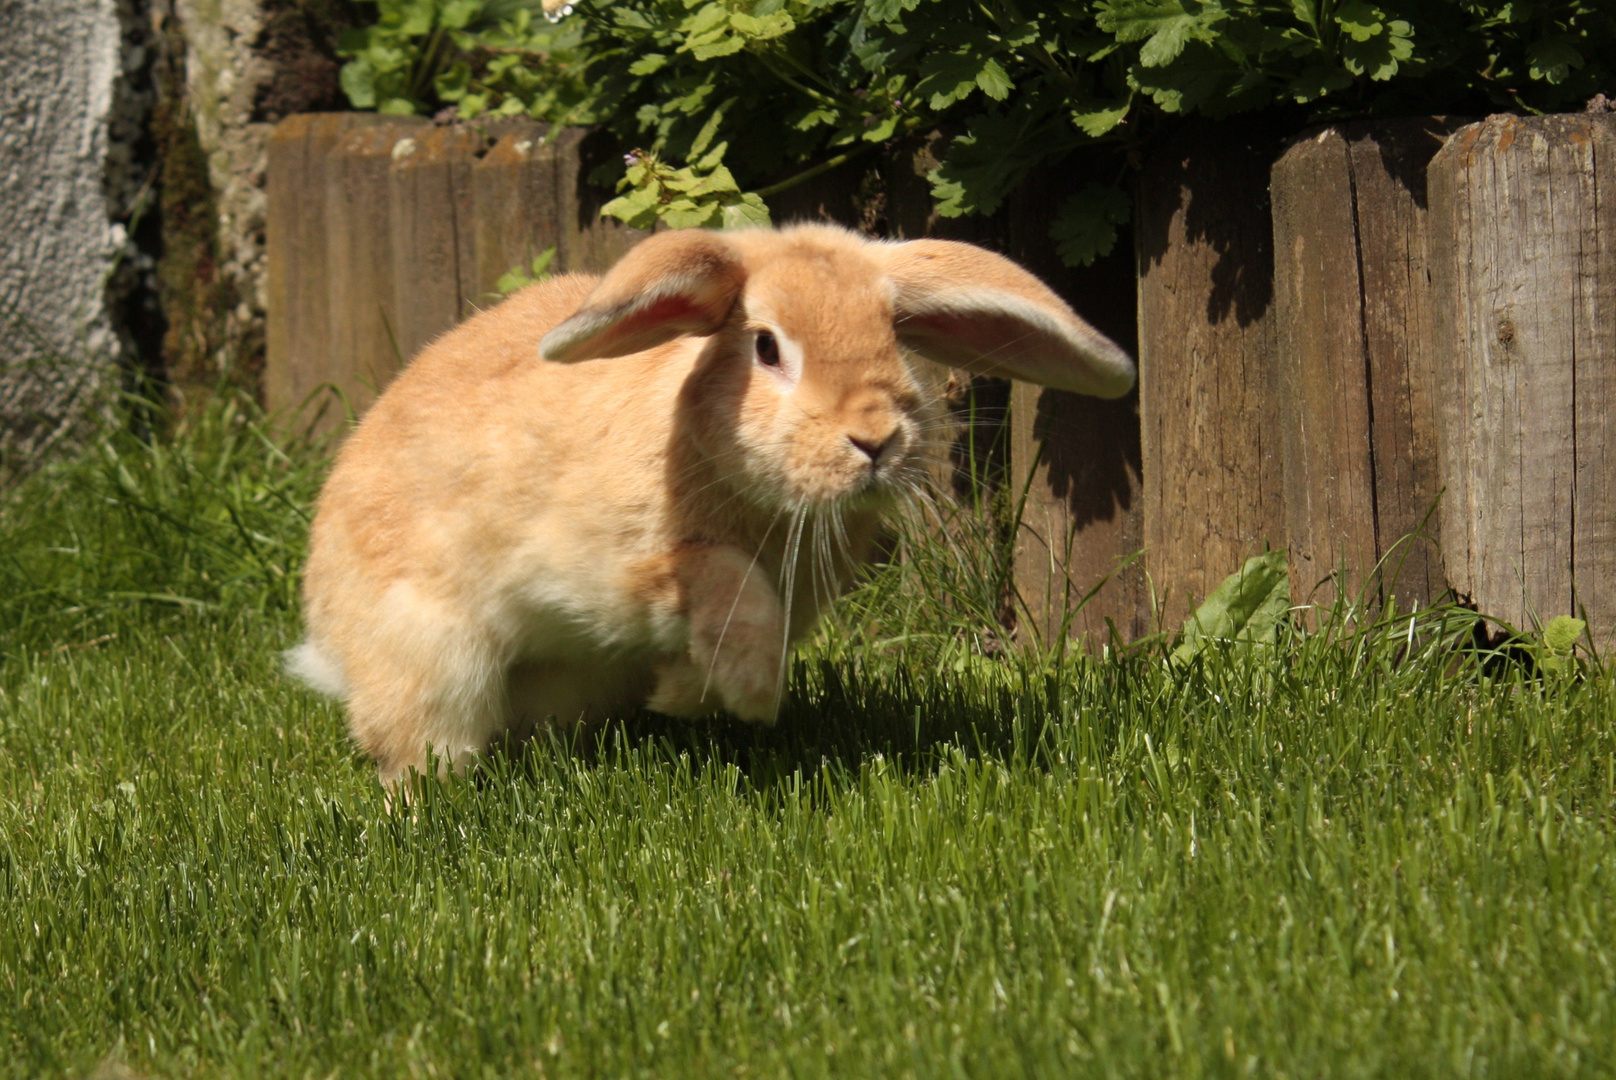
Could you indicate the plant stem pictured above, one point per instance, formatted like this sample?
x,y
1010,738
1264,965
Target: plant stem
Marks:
x,y
817,170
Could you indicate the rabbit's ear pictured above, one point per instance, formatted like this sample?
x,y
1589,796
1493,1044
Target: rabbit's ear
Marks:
x,y
960,305
668,285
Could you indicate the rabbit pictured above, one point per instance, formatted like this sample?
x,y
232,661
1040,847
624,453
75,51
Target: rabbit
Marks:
x,y
593,497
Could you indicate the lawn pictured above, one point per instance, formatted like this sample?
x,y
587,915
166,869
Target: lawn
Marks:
x,y
1364,854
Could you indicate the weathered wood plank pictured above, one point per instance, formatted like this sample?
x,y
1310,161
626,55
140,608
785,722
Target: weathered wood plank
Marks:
x,y
298,324
363,350
1212,478
1389,161
1322,369
1526,296
1082,519
517,208
1353,329
589,243
431,212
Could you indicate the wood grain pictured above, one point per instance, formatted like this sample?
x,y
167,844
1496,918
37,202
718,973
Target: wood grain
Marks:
x,y
430,204
364,350
1212,475
298,324
1354,359
1523,235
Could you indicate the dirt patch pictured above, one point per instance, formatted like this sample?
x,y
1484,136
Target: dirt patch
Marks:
x,y
299,42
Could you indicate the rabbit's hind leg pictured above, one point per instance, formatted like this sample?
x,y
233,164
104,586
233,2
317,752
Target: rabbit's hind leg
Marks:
x,y
444,705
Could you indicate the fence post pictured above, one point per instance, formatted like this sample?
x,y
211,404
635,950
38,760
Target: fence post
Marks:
x,y
1354,336
363,349
517,216
1524,270
298,330
433,260
589,243
1212,489
1079,456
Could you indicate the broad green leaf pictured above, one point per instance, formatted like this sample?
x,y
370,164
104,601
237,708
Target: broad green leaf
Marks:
x,y
993,81
709,18
765,28
649,64
457,14
417,18
1201,76
1165,26
1246,610
1562,634
1377,56
1552,59
727,46
882,129
1316,81
1097,122
948,77
1361,21
749,213
1085,225
359,83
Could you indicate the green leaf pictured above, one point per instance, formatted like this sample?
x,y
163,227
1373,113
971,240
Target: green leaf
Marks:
x,y
1361,21
993,81
1318,80
1377,56
359,83
418,17
1085,225
1165,26
948,77
1553,59
1562,634
1246,610
649,64
762,29
749,212
1097,122
457,14
726,46
1201,76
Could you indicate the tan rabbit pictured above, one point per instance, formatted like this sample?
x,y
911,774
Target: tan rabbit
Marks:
x,y
640,489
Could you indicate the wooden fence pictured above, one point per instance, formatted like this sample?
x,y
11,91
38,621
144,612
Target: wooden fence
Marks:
x,y
1345,338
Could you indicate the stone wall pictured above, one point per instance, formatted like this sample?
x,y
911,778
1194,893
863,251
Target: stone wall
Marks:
x,y
69,187
132,137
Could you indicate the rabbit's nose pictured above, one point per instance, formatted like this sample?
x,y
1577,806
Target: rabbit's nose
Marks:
x,y
874,448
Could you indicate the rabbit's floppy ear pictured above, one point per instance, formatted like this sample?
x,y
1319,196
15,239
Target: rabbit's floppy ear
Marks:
x,y
670,284
960,305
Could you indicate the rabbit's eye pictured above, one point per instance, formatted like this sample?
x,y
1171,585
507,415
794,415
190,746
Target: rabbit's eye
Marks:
x,y
768,350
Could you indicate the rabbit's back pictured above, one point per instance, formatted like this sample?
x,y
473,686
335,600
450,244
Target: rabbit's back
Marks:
x,y
499,499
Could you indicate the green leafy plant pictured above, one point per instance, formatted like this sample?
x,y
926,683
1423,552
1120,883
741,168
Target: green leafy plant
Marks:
x,y
522,275
1245,611
735,101
1557,645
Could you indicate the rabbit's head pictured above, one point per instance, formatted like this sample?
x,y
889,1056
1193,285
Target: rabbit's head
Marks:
x,y
807,391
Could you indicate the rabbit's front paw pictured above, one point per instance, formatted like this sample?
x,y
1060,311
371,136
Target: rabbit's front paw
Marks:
x,y
682,691
737,632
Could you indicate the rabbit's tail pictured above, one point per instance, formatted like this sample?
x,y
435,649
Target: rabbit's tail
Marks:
x,y
316,667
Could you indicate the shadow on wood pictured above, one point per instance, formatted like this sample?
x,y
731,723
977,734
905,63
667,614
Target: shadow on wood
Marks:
x,y
1210,442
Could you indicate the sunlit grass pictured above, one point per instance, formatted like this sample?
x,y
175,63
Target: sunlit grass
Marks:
x,y
1365,855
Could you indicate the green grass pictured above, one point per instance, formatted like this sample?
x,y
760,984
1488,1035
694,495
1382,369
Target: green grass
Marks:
x,y
1363,856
